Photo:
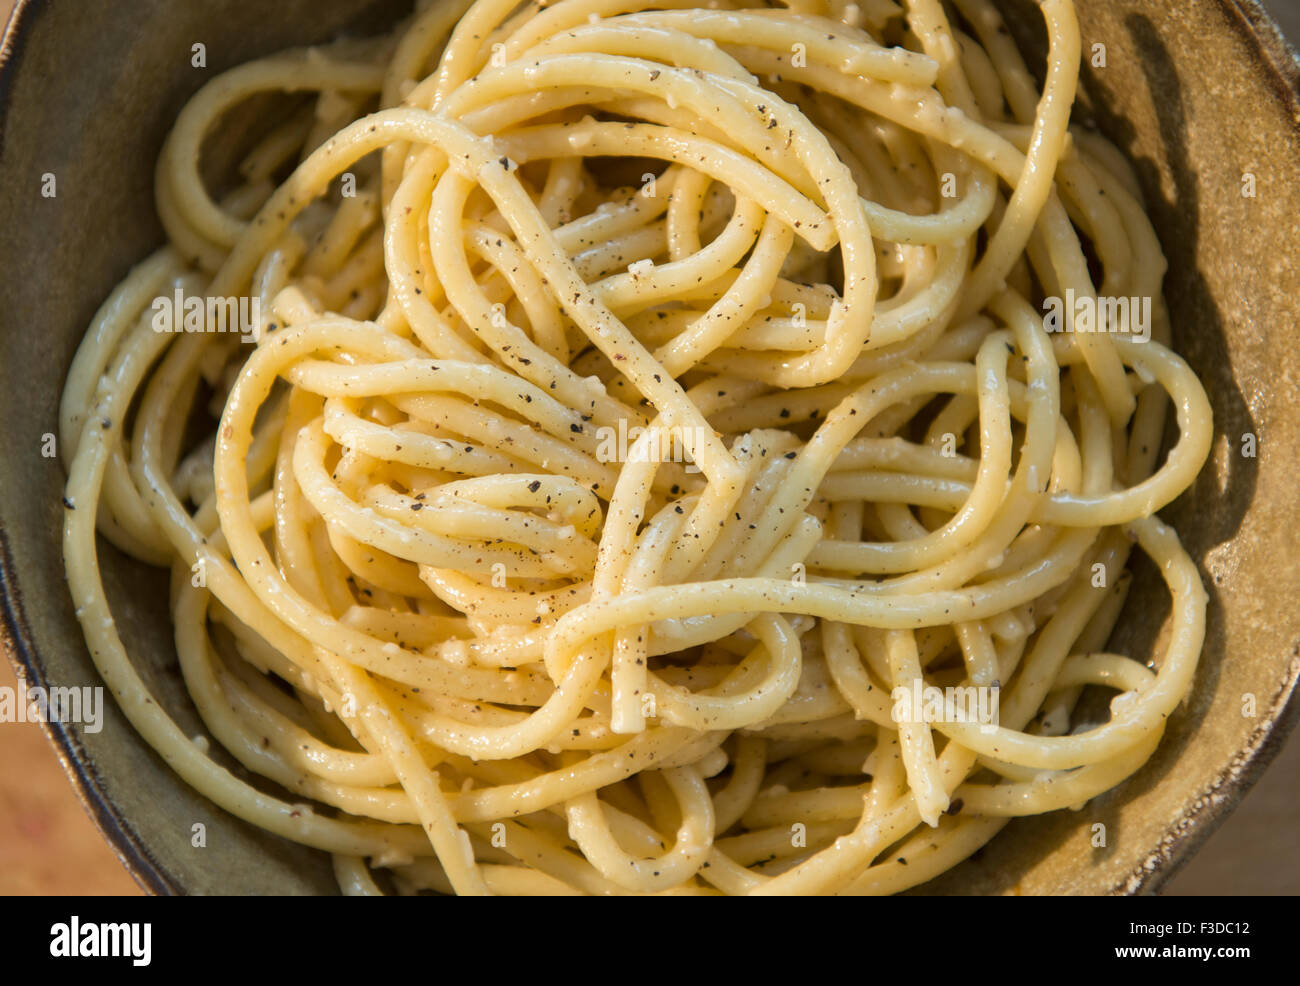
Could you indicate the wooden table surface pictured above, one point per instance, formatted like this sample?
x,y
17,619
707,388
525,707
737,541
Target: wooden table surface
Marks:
x,y
48,845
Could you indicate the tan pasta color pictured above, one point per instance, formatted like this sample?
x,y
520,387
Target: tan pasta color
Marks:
x,y
640,406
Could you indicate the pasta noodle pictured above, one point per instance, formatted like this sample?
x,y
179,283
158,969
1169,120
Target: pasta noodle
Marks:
x,y
639,414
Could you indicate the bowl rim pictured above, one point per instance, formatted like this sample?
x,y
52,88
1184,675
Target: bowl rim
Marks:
x,y
1182,838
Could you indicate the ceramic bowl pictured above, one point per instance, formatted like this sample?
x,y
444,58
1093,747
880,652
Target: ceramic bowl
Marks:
x,y
1198,93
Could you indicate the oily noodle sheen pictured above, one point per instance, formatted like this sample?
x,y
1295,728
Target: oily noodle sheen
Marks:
x,y
647,404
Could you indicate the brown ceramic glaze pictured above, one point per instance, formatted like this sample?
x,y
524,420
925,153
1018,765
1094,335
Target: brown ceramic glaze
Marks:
x,y
1197,92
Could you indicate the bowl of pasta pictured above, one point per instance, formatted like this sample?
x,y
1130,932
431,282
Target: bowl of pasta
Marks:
x,y
609,447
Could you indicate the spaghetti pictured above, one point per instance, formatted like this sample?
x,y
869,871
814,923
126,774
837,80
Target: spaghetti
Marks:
x,y
649,409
